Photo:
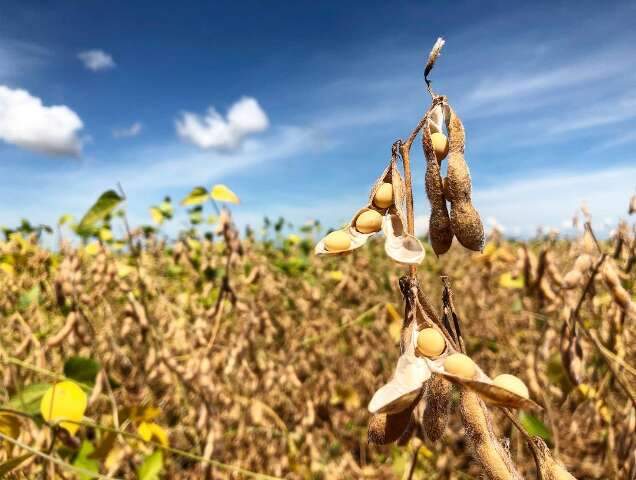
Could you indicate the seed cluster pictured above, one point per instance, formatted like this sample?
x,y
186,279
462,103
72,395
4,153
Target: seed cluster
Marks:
x,y
384,211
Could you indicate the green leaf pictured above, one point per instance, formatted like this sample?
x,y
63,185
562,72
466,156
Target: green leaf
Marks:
x,y
196,215
66,218
534,426
197,196
151,467
81,369
12,463
83,460
31,297
166,208
28,399
104,205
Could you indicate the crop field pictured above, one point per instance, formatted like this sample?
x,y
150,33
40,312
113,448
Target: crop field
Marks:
x,y
214,357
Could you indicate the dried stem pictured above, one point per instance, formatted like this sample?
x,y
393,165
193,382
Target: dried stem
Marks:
x,y
413,462
432,58
410,216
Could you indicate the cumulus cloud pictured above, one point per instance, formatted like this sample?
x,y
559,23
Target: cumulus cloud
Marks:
x,y
212,131
96,60
27,123
132,131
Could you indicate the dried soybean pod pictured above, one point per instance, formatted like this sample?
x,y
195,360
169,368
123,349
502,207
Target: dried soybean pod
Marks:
x,y
439,229
465,220
387,428
438,401
552,270
620,296
491,455
547,467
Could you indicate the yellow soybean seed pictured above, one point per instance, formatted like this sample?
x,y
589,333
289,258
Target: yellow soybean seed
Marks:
x,y
64,400
512,384
337,241
430,342
368,222
440,145
383,197
460,365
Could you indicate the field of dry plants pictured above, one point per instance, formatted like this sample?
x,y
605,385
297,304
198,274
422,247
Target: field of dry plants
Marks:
x,y
221,354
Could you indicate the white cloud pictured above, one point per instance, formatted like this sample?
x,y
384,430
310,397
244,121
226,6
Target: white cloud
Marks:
x,y
19,58
27,123
610,112
213,131
96,60
132,131
548,199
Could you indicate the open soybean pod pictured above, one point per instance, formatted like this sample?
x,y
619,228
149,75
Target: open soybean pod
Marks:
x,y
384,211
404,388
379,197
365,223
439,229
340,242
386,428
398,245
464,218
505,390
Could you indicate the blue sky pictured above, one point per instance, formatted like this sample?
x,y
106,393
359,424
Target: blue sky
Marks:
x,y
123,91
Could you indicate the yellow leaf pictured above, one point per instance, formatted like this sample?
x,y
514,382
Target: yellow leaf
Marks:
x,y
352,401
123,270
150,413
393,313
293,239
601,300
222,193
105,234
506,280
603,411
92,249
7,268
157,215
64,400
335,275
488,252
426,452
586,390
114,458
9,425
193,244
152,431
395,330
